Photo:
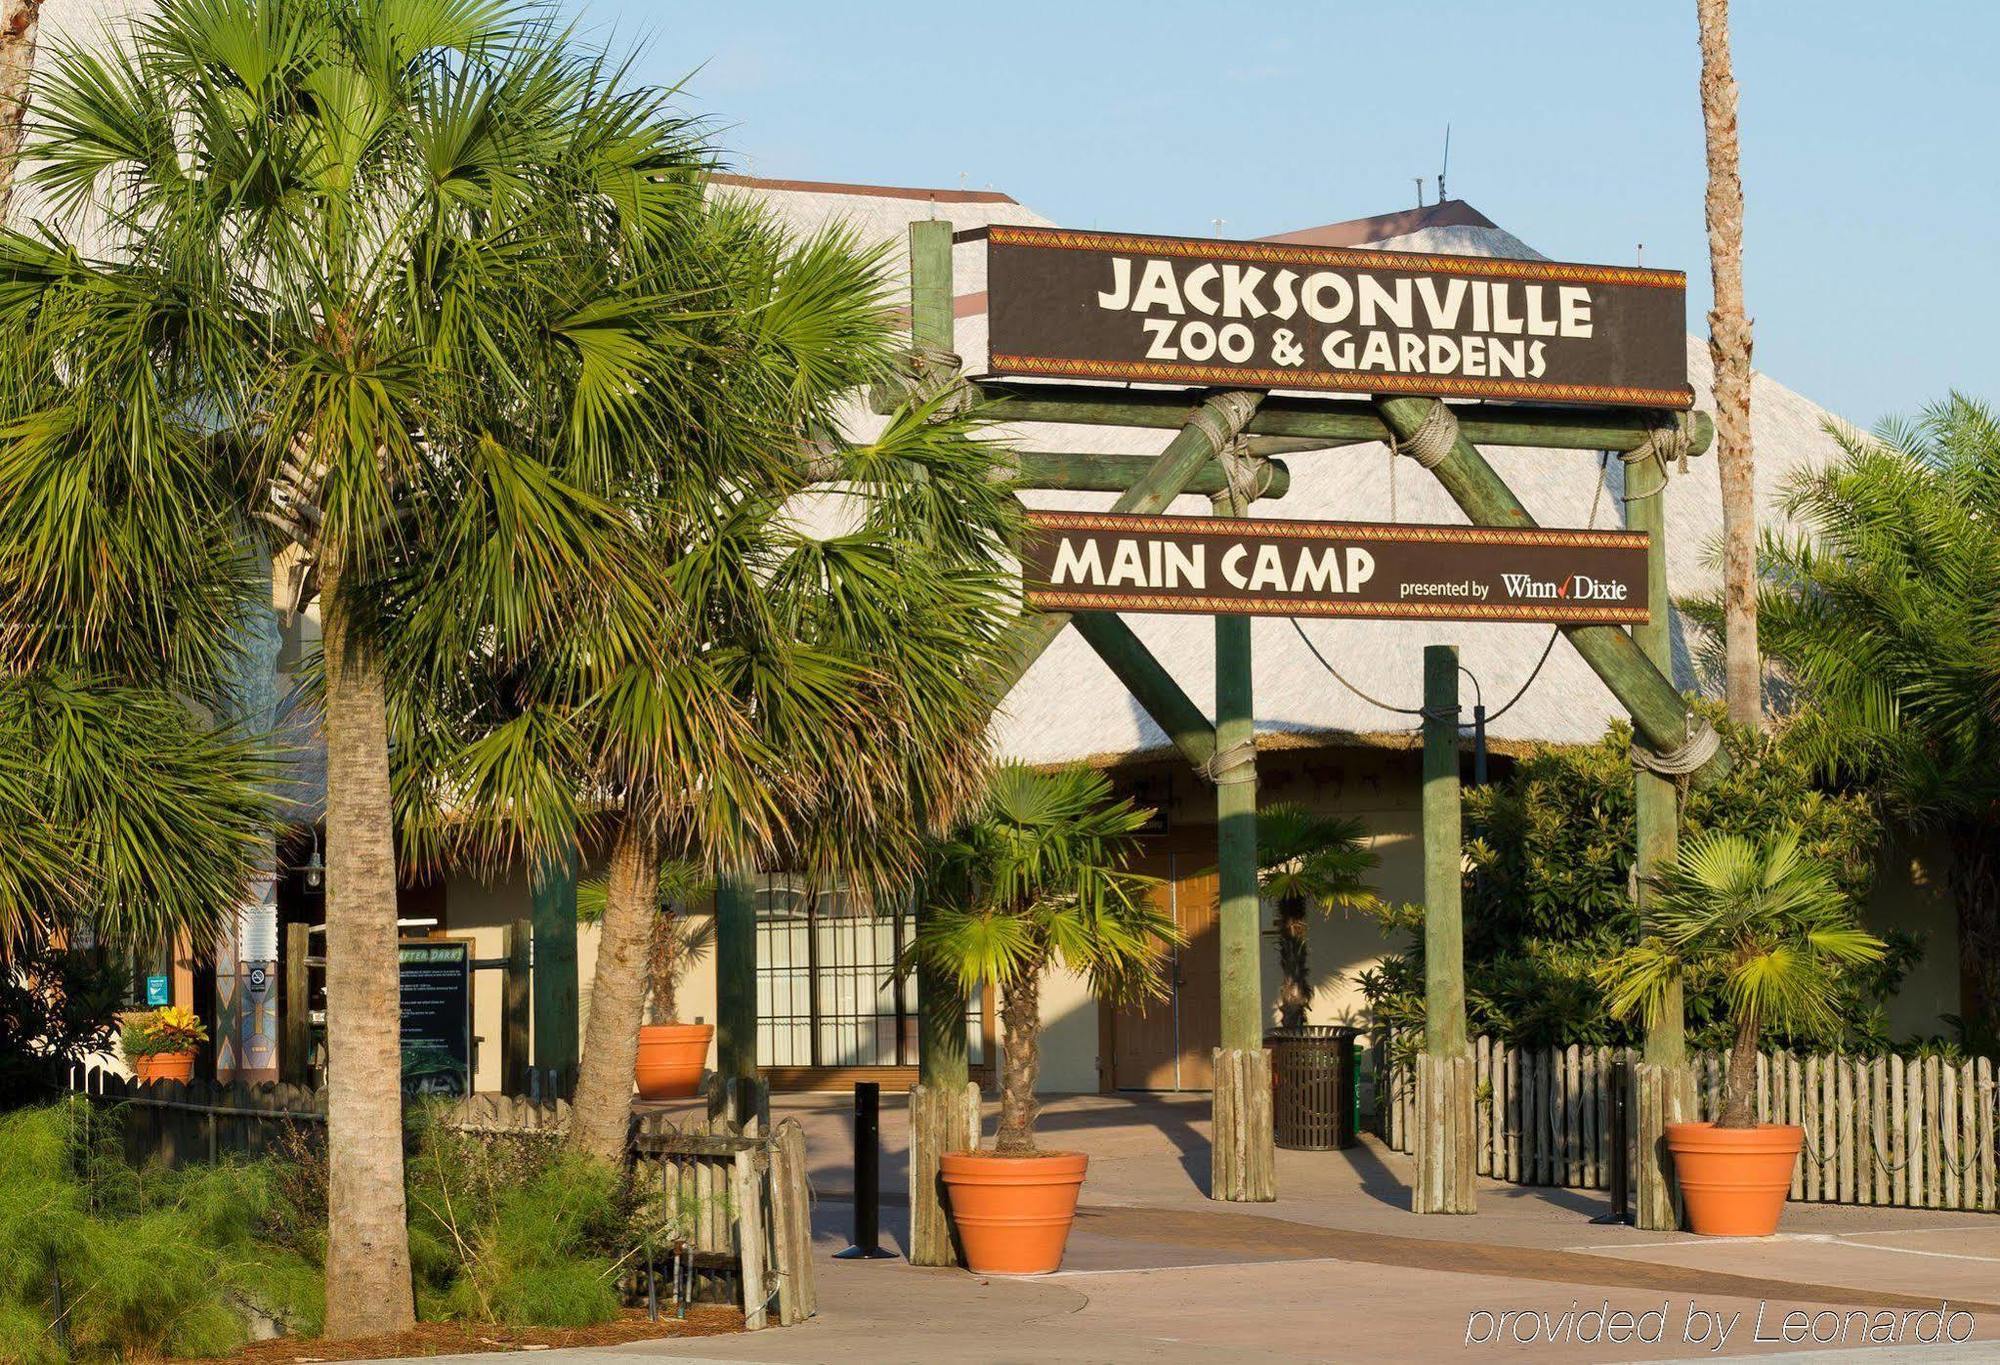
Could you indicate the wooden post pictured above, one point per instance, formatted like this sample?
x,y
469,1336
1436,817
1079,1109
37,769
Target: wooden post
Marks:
x,y
296,1054
1660,714
516,993
1666,1085
555,988
1242,1156
944,1104
1447,1125
740,1098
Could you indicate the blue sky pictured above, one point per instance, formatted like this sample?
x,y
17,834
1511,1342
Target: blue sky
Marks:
x,y
1873,259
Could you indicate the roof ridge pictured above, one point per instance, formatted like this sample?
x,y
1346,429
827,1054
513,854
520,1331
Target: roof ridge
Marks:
x,y
865,191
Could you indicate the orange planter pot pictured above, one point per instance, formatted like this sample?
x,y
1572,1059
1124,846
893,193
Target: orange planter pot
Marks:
x,y
671,1058
164,1066
1013,1212
1734,1180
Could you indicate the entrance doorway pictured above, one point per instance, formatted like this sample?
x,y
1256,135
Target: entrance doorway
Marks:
x,y
1167,1045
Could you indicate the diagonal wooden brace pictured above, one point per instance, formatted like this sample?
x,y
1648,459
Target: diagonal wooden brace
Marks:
x,y
1213,425
1660,715
1150,684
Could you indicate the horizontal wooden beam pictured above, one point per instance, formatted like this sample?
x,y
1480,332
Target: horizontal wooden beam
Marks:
x,y
1092,472
1323,421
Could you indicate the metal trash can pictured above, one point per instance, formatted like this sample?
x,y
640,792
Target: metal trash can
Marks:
x,y
1312,1086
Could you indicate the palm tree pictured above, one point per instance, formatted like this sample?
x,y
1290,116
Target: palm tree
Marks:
x,y
1304,859
1771,927
343,268
1037,878
807,700
19,20
1729,347
1881,615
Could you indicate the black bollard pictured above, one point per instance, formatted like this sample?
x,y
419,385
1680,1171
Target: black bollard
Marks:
x,y
1621,1144
867,1177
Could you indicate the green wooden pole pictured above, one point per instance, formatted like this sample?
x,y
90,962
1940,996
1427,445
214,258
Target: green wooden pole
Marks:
x,y
1663,1079
1659,713
1444,924
1236,836
735,976
1446,1127
1091,472
1330,421
1149,683
555,992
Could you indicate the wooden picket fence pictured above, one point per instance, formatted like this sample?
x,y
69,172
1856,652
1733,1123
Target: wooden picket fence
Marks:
x,y
741,1204
1907,1132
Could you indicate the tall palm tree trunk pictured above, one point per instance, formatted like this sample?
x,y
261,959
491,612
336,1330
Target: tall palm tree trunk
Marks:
x,y
19,20
601,1117
1729,347
368,1288
1021,1062
1739,1097
1295,990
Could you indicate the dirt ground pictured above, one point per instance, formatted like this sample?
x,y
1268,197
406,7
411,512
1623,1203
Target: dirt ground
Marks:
x,y
468,1338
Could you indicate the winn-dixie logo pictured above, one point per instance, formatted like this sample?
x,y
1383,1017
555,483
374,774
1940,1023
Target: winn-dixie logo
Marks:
x,y
1575,588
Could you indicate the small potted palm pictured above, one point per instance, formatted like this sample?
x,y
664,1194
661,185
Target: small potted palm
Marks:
x,y
672,1055
1034,879
1772,928
160,1044
1307,861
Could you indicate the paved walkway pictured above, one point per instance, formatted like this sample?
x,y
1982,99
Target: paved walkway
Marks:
x,y
1339,1269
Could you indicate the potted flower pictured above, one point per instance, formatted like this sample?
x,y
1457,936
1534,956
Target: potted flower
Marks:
x,y
1774,929
1033,879
672,1055
160,1044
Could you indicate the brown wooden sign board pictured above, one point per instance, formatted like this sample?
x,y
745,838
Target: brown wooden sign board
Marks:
x,y
1273,315
1105,561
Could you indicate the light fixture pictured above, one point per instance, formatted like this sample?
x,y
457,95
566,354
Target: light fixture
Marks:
x,y
315,869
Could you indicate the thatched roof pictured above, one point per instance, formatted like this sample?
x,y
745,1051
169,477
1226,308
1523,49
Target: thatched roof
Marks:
x,y
1069,706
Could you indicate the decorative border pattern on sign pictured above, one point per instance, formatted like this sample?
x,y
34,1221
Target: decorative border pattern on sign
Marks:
x,y
1285,253
1342,381
1309,530
1050,599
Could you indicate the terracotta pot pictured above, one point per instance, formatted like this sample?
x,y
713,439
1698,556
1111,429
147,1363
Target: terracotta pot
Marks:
x,y
671,1058
1734,1180
1013,1212
164,1066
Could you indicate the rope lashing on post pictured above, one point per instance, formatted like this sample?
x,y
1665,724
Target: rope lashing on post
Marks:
x,y
1671,441
934,374
1221,427
1249,476
1689,756
1237,763
1432,440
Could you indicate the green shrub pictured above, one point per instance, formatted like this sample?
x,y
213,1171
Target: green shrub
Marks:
x,y
1549,894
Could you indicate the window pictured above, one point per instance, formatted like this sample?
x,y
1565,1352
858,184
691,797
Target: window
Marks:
x,y
827,992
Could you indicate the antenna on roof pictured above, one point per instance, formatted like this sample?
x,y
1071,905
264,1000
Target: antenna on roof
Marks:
x,y
1639,254
1418,180
1445,166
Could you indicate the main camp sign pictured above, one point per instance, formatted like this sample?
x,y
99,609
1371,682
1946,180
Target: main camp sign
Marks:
x,y
1107,561
1272,315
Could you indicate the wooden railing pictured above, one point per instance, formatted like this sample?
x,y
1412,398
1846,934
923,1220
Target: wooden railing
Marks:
x,y
740,1204
1909,1132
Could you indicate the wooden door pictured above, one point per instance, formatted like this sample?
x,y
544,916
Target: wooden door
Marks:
x,y
1166,1045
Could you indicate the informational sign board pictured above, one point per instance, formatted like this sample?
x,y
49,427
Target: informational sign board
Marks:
x,y
159,990
437,1016
1084,561
1273,315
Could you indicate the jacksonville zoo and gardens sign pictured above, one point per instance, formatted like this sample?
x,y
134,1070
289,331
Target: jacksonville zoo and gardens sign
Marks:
x,y
1274,315
1104,561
